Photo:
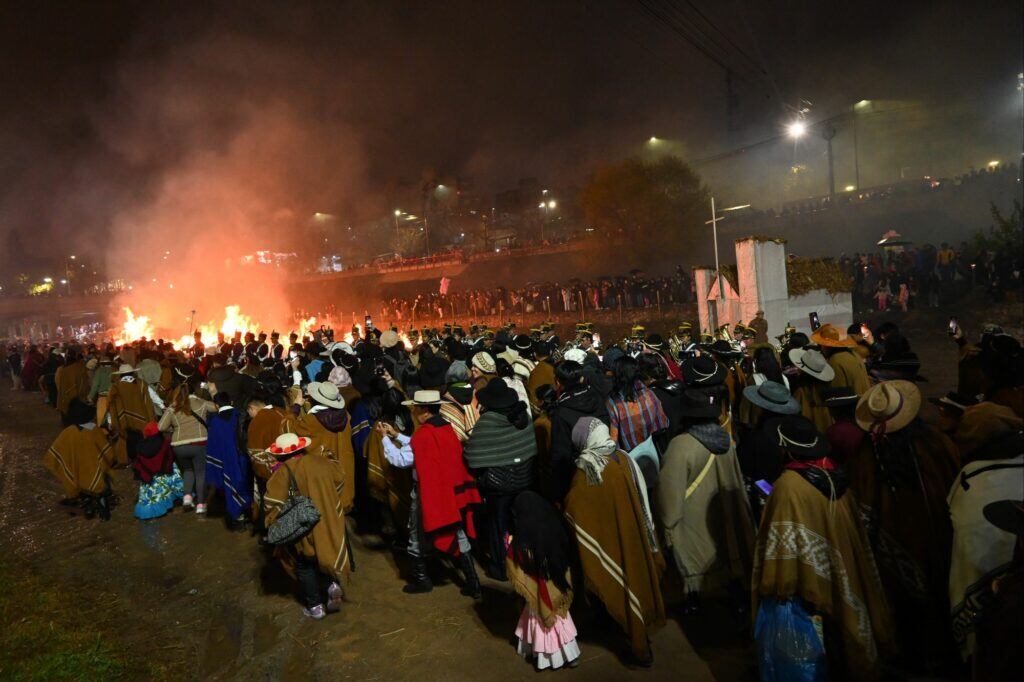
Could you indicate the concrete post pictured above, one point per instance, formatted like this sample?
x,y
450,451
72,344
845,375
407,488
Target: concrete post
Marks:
x,y
703,277
762,281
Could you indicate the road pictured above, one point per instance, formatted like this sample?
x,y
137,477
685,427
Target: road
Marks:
x,y
202,602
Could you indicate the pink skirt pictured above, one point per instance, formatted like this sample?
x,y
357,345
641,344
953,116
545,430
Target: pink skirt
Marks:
x,y
553,647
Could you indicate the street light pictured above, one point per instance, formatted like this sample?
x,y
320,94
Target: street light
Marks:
x,y
797,129
48,280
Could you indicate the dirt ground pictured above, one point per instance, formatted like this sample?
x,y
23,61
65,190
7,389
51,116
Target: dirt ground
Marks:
x,y
196,601
182,597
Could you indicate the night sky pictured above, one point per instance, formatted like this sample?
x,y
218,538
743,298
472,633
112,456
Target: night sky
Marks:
x,y
126,116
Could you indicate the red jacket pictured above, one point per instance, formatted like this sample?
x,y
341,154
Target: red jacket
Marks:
x,y
447,491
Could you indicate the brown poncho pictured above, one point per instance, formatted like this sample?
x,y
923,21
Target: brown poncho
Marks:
x,y
81,460
323,481
815,549
620,564
336,445
907,520
72,382
264,429
130,405
387,484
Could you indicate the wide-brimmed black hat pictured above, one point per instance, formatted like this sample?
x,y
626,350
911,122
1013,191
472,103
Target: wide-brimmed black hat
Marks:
x,y
772,396
702,371
699,404
797,436
1006,515
954,402
839,396
724,349
432,372
522,342
496,395
655,342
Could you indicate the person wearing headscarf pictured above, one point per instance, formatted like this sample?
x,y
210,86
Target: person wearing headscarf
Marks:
x,y
328,424
160,484
606,509
992,451
538,566
322,560
576,399
901,476
703,505
81,459
813,556
501,452
228,468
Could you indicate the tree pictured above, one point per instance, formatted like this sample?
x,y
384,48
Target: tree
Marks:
x,y
1005,235
659,205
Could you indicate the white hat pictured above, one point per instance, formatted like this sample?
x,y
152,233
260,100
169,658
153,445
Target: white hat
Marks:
x,y
424,398
576,355
125,368
812,362
484,362
326,393
389,339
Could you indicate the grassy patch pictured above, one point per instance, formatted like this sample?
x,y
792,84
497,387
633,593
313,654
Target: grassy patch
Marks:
x,y
50,634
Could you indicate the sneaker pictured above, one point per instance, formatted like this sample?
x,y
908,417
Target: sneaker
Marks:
x,y
200,508
334,598
316,613
187,503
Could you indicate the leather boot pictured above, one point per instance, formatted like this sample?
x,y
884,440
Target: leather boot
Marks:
x,y
104,507
472,586
420,582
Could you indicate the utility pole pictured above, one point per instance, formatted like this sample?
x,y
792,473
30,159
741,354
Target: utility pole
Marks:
x,y
828,133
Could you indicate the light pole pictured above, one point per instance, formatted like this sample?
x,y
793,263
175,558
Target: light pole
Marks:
x,y
67,273
798,129
714,232
398,233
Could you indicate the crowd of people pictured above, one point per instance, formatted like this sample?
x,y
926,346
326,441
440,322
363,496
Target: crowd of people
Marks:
x,y
634,291
927,277
795,480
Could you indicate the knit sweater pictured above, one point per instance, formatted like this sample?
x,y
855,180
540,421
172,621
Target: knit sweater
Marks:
x,y
495,442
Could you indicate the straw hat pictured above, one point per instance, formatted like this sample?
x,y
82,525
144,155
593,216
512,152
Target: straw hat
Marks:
x,y
125,368
888,406
288,444
325,393
812,362
828,335
150,371
389,339
424,398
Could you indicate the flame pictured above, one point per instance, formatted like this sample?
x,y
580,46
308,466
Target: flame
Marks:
x,y
135,327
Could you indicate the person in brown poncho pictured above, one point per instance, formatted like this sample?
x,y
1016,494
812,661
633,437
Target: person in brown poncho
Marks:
x,y
812,547
130,407
901,476
321,560
328,423
72,381
81,459
621,562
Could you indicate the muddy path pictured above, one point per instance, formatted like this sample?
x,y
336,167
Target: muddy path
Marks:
x,y
202,602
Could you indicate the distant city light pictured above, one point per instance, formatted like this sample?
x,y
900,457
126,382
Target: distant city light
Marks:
x,y
861,104
552,204
398,212
540,205
993,164
72,257
48,280
63,281
850,188
796,129
653,140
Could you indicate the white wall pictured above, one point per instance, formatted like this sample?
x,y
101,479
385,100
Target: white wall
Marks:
x,y
762,281
837,311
